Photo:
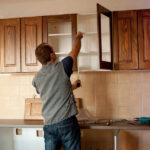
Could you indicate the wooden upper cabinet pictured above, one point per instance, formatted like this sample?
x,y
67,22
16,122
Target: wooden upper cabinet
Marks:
x,y
125,40
31,37
144,38
72,18
10,45
59,31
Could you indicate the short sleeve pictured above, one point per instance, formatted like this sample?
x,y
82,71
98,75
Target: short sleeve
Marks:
x,y
34,84
68,64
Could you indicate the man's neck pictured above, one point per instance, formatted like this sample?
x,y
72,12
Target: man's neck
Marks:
x,y
50,62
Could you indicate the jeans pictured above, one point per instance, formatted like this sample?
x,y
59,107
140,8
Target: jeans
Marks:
x,y
65,133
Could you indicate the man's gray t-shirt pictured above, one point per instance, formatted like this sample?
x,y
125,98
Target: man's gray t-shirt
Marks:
x,y
53,84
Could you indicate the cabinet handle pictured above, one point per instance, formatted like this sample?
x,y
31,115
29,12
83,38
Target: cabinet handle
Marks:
x,y
39,133
18,131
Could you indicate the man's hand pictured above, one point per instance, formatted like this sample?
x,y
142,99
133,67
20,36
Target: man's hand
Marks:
x,y
79,35
76,84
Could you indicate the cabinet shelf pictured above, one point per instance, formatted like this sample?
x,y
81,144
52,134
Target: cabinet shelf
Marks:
x,y
105,34
106,53
88,53
81,53
69,34
89,33
59,34
61,53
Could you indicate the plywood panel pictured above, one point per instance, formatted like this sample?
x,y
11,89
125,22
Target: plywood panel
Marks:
x,y
33,108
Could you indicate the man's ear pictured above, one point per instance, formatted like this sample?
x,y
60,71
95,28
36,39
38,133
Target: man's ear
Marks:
x,y
51,55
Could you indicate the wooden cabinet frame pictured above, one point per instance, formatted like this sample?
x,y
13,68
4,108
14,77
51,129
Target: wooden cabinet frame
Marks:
x,y
131,38
60,18
18,40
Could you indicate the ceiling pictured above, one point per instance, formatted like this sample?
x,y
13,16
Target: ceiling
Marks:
x,y
22,8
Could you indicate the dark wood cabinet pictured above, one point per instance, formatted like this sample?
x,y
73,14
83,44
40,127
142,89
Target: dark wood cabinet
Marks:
x,y
131,33
144,38
18,41
128,33
10,45
125,40
31,37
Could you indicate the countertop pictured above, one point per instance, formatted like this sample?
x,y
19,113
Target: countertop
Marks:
x,y
100,124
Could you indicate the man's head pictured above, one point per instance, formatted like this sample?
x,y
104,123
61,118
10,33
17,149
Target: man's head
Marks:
x,y
44,53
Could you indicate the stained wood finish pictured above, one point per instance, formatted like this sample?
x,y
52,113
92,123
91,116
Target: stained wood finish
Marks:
x,y
10,45
31,37
125,40
144,38
106,12
33,108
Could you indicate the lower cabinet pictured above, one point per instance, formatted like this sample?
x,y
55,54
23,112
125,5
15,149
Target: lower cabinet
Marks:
x,y
33,139
28,139
6,139
22,139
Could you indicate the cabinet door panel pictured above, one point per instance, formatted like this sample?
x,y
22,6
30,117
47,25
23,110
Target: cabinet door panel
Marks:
x,y
144,39
104,18
31,37
10,45
125,40
125,46
29,139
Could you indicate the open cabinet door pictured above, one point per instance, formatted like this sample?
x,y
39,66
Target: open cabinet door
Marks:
x,y
104,20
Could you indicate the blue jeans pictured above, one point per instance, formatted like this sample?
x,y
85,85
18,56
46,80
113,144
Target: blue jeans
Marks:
x,y
65,133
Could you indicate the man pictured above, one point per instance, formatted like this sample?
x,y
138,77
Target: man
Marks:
x,y
53,84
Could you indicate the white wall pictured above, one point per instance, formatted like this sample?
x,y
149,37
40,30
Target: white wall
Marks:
x,y
21,8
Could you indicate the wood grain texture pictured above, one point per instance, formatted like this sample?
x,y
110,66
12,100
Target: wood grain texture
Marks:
x,y
144,38
33,108
125,40
10,45
31,37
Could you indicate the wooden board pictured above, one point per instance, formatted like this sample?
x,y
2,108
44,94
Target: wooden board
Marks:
x,y
33,108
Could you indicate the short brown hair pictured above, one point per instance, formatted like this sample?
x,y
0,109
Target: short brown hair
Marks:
x,y
43,52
